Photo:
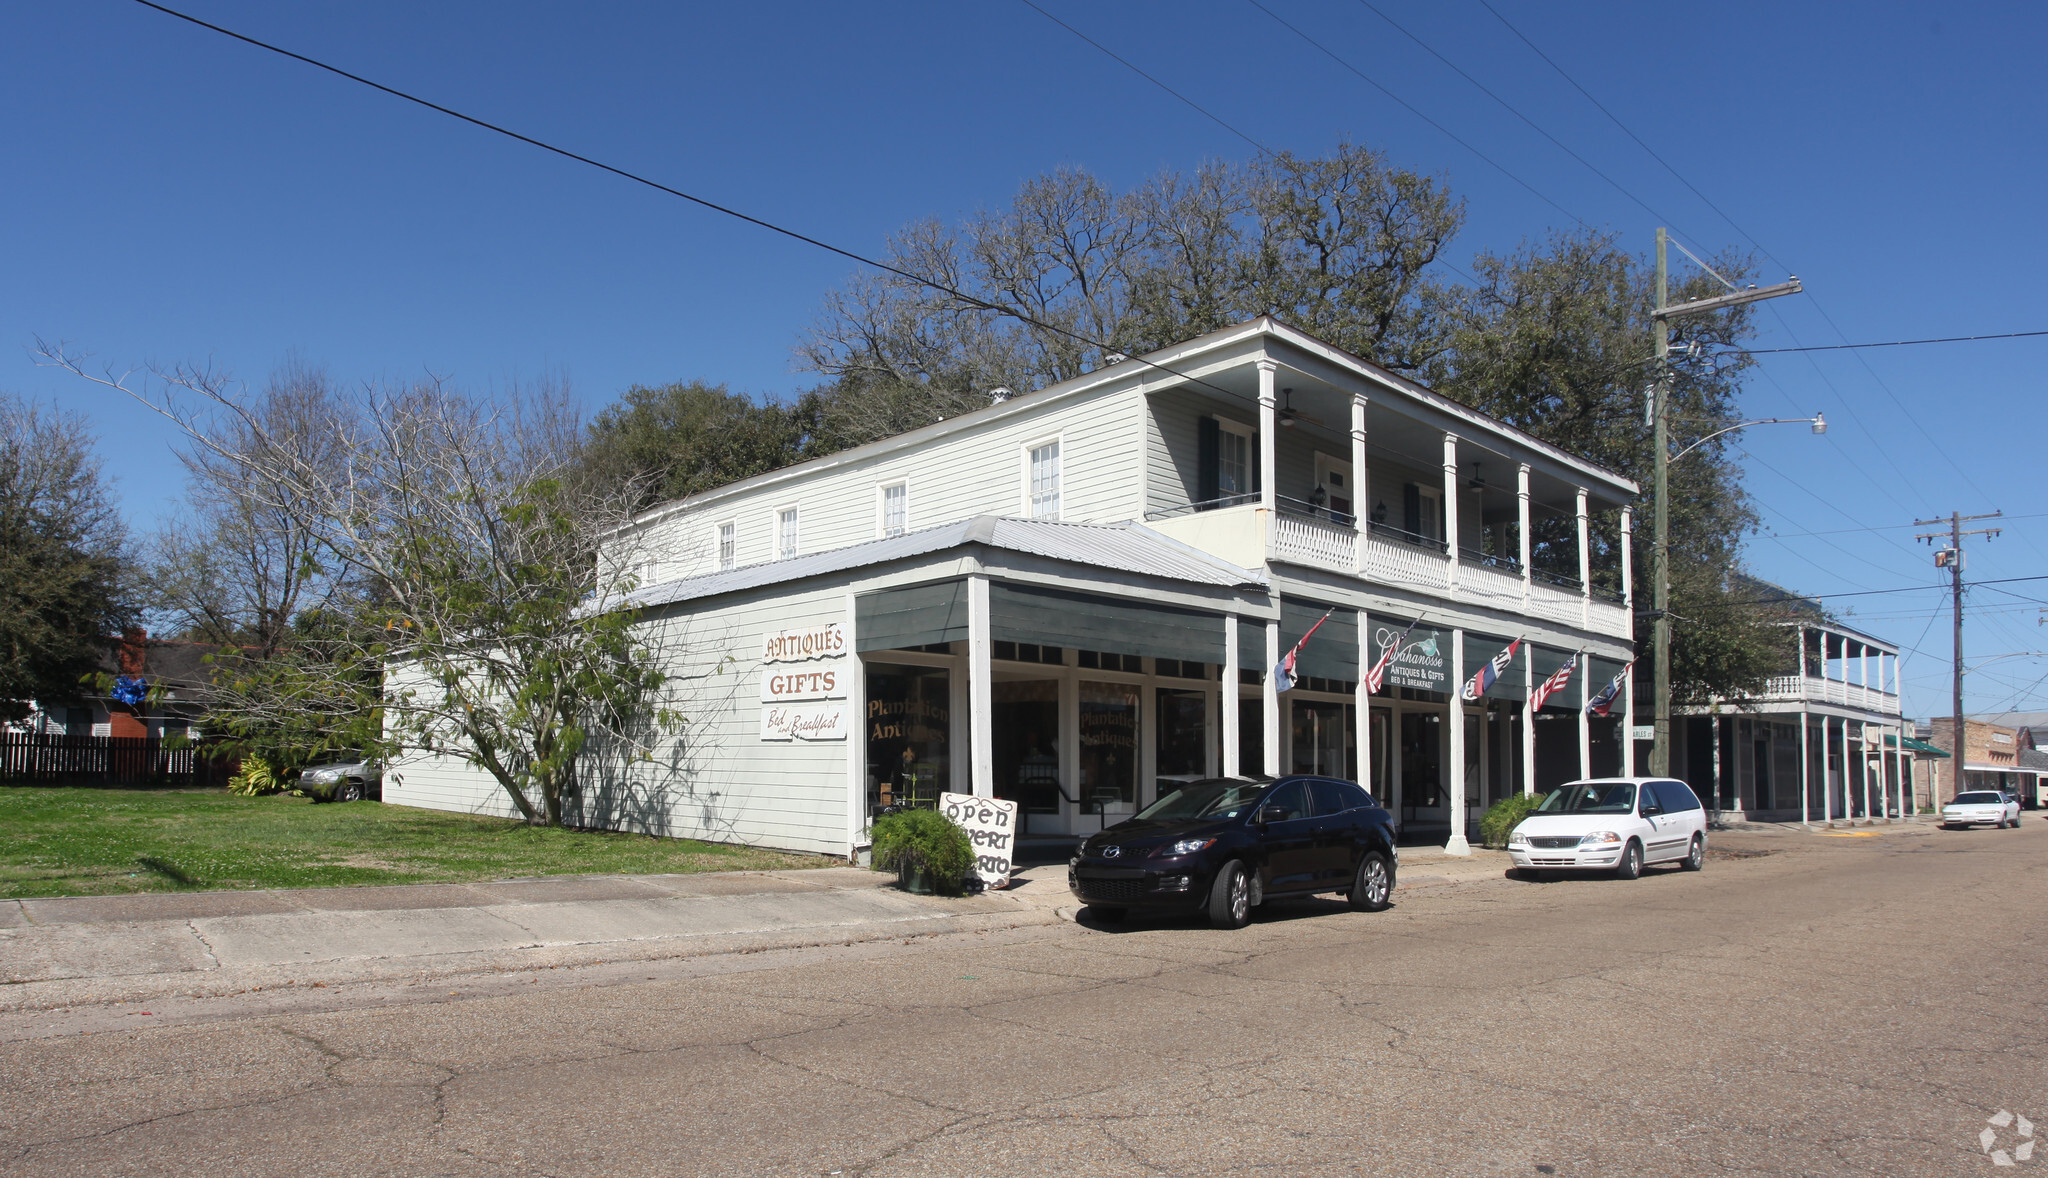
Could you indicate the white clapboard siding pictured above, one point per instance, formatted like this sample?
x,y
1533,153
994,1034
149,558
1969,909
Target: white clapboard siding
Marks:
x,y
979,471
715,780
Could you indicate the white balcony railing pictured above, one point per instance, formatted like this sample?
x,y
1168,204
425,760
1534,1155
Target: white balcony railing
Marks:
x,y
1315,543
1247,536
1830,691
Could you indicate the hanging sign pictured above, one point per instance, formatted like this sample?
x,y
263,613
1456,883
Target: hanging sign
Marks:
x,y
826,721
992,825
1421,662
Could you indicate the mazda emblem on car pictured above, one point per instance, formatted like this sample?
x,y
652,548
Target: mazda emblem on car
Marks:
x,y
1111,852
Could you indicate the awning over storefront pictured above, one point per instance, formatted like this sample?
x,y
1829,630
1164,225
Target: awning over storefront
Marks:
x,y
1055,617
1915,745
1333,652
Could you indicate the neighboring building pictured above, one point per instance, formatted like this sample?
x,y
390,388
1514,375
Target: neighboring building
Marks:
x,y
180,669
1991,759
1070,595
1821,744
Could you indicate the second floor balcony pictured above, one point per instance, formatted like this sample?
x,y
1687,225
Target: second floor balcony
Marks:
x,y
1303,533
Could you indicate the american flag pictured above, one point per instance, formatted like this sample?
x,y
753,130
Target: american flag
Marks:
x,y
1557,682
1603,704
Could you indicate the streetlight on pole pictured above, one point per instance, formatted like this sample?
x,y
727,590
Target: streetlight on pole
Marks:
x,y
1660,550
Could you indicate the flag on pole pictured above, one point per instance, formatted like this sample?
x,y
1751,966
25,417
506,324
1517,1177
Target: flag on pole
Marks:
x,y
1283,671
1378,674
1603,704
1557,682
1485,676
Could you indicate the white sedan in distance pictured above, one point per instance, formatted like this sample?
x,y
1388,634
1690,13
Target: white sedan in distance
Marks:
x,y
1986,806
1616,824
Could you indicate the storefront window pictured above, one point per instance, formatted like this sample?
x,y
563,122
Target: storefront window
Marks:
x,y
1251,737
1026,741
1325,741
909,721
1422,783
1109,746
1183,725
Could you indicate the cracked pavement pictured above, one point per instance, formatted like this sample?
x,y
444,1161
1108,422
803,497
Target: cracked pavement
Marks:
x,y
1837,1006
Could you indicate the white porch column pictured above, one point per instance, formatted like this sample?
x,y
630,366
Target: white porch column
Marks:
x,y
1361,503
980,690
1269,430
1525,545
1827,748
1628,605
1585,562
1805,755
1528,712
856,737
1361,698
1457,845
1271,710
1228,697
1451,514
1585,721
1863,768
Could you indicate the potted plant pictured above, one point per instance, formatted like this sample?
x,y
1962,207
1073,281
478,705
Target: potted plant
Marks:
x,y
928,852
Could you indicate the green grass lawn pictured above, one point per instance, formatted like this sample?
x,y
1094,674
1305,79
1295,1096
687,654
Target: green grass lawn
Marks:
x,y
72,841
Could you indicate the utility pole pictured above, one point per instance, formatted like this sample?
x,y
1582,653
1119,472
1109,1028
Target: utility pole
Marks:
x,y
1951,558
1660,548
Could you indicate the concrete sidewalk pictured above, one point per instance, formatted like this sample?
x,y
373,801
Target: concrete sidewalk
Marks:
x,y
82,950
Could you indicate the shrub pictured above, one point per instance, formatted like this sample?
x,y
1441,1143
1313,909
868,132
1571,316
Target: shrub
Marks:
x,y
927,841
1500,818
257,776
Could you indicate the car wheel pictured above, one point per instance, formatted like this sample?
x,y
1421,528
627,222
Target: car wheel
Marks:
x,y
1373,889
1697,857
1631,865
1112,915
1230,897
349,791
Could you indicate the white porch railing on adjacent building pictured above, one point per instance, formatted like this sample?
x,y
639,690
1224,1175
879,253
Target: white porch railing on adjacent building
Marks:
x,y
1830,691
1486,585
1405,564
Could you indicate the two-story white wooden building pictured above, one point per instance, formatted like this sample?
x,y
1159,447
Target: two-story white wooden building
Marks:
x,y
1074,593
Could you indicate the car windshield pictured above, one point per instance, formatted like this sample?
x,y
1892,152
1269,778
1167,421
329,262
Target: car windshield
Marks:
x,y
1979,799
1215,798
1590,797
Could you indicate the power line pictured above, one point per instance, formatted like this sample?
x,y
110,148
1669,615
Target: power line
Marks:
x,y
1205,112
1896,343
972,301
1616,120
1794,598
1411,109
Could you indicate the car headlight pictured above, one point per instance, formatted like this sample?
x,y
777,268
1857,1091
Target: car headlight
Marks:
x,y
1186,847
318,777
1518,838
1599,838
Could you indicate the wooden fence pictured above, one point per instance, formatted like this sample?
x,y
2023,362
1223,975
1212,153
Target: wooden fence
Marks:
x,y
109,760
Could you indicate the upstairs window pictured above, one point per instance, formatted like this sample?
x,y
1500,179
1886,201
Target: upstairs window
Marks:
x,y
785,534
726,547
895,509
1233,463
1045,481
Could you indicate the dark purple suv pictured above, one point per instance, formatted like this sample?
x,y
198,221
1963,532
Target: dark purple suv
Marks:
x,y
1224,845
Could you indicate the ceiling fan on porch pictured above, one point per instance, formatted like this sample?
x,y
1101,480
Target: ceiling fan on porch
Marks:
x,y
1287,414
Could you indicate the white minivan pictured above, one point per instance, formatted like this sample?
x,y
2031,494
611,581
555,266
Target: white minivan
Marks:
x,y
1616,824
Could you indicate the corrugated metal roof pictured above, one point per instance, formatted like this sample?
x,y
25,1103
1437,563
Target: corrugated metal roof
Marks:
x,y
1125,547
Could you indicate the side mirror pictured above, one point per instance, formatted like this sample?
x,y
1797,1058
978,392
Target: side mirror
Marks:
x,y
1272,814
1652,810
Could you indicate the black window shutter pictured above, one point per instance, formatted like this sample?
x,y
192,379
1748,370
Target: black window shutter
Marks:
x,y
1258,477
1411,509
1209,461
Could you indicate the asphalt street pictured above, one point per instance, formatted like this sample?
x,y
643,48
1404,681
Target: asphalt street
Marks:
x,y
1807,1005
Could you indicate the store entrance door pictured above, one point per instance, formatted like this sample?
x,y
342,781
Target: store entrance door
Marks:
x,y
1026,749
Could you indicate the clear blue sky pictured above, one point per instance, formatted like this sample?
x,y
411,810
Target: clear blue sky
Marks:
x,y
172,195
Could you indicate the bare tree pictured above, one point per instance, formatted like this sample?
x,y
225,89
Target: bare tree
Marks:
x,y
481,622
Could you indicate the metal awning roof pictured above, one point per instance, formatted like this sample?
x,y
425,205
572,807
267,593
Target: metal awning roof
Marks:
x,y
1125,547
1915,744
1969,768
